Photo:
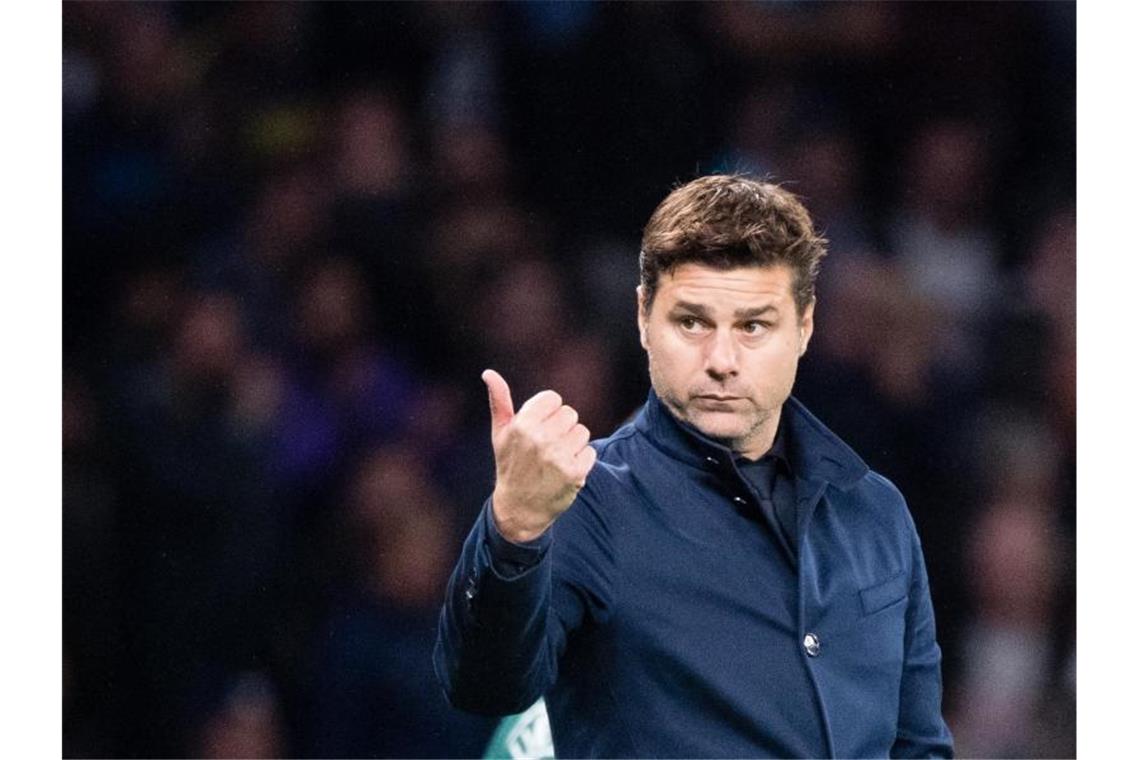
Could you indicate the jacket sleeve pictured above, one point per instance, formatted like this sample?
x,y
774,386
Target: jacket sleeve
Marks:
x,y
922,732
510,608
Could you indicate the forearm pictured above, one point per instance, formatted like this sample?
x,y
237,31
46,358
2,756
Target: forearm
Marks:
x,y
494,653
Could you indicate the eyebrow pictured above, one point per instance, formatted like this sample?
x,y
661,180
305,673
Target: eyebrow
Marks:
x,y
700,310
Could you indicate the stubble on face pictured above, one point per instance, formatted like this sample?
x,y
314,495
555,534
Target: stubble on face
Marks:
x,y
752,421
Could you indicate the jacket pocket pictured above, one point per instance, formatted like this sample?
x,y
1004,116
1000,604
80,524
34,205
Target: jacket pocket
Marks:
x,y
884,594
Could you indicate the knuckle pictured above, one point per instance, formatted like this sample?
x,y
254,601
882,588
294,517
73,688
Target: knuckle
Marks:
x,y
547,435
533,444
529,430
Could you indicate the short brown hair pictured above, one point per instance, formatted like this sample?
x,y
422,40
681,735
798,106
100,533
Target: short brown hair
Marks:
x,y
727,221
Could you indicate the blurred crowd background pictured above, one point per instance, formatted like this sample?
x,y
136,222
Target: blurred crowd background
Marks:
x,y
294,234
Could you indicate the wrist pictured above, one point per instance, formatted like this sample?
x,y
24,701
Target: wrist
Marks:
x,y
514,524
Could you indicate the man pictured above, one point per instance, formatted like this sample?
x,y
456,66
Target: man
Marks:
x,y
722,576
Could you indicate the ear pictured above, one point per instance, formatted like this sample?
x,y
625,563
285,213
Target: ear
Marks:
x,y
642,320
807,326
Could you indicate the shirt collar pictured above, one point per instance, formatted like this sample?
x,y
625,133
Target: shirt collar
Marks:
x,y
810,449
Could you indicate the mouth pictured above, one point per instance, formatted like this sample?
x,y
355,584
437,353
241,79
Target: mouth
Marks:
x,y
716,397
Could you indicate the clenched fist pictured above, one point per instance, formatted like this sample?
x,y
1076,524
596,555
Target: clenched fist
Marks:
x,y
542,457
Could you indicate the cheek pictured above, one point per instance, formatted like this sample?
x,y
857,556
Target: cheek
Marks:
x,y
775,365
673,359
682,355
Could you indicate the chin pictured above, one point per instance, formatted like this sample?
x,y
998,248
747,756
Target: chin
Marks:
x,y
723,427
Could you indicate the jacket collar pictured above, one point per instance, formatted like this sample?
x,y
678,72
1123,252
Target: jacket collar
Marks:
x,y
813,451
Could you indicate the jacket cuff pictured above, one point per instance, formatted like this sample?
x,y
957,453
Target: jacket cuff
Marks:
x,y
510,559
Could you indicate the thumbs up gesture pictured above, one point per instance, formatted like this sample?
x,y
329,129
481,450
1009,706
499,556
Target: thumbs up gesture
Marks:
x,y
542,457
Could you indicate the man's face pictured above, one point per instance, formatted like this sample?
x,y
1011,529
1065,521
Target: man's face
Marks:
x,y
723,348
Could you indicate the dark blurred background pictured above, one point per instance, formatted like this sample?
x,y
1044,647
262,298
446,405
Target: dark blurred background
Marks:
x,y
293,235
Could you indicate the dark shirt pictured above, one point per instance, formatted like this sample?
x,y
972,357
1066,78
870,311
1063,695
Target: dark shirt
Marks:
x,y
772,481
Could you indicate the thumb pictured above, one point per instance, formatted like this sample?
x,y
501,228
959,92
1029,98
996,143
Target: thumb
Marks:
x,y
499,393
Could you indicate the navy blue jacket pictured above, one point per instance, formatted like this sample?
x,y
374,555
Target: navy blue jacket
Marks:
x,y
659,617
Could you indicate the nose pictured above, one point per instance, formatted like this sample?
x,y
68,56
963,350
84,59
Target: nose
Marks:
x,y
721,361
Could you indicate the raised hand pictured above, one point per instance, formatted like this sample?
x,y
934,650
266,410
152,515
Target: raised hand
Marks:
x,y
542,457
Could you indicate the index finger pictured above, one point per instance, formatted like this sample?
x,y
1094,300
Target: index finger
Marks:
x,y
540,406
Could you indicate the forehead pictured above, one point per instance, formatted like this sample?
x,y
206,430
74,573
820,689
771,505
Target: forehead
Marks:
x,y
733,288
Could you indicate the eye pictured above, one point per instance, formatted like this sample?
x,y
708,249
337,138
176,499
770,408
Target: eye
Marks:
x,y
755,327
690,324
